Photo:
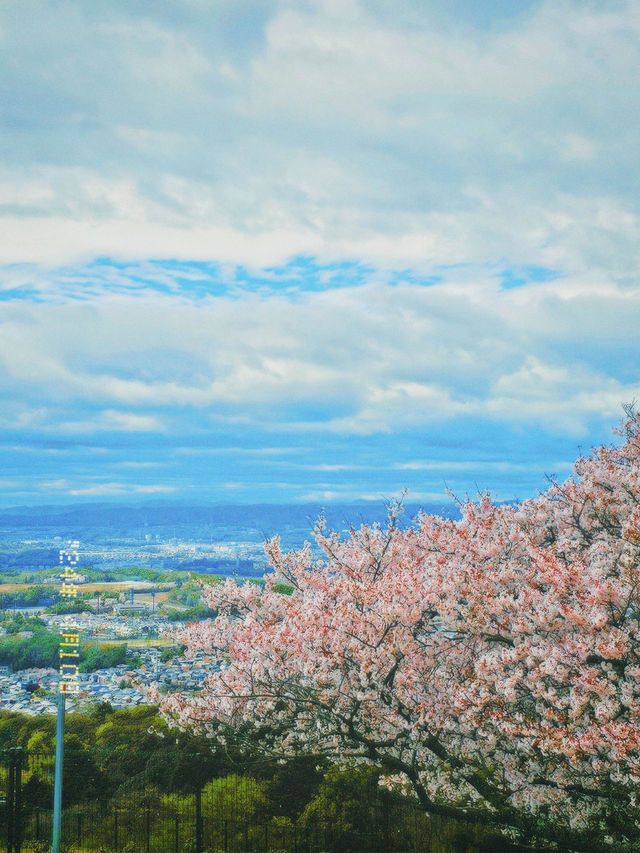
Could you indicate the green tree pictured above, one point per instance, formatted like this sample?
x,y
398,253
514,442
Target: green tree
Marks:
x,y
347,809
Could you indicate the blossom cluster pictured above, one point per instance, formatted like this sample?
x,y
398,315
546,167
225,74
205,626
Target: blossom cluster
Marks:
x,y
492,663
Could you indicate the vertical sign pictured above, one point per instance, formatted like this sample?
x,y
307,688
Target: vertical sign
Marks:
x,y
70,636
68,680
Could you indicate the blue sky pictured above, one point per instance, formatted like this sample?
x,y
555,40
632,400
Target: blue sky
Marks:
x,y
259,250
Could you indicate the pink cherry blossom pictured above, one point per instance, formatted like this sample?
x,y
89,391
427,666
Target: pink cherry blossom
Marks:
x,y
491,663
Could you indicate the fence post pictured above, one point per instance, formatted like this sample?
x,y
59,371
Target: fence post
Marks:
x,y
147,823
115,828
19,814
14,800
177,835
11,786
199,820
385,804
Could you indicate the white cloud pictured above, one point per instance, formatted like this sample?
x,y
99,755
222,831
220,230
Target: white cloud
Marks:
x,y
108,421
351,493
405,140
128,421
359,360
449,142
236,451
477,464
136,465
105,489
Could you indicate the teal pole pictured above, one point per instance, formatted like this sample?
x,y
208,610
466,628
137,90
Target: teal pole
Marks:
x,y
57,787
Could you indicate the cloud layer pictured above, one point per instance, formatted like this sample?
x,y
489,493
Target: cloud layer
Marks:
x,y
263,130
319,228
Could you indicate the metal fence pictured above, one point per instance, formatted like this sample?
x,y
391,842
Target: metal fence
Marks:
x,y
229,814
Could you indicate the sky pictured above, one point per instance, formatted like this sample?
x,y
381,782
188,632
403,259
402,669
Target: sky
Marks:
x,y
314,250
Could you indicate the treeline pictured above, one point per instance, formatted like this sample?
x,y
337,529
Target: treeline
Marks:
x,y
50,598
42,649
32,596
188,598
116,574
130,760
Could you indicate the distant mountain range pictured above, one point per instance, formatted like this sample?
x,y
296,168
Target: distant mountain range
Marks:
x,y
162,522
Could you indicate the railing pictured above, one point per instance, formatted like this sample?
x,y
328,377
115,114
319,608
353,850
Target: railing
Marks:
x,y
11,804
230,814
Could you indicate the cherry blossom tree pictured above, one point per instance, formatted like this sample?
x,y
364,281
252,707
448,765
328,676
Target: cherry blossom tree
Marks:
x,y
490,665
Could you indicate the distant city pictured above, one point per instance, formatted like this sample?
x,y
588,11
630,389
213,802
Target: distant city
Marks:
x,y
219,539
138,580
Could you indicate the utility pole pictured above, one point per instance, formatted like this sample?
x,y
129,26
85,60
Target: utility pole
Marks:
x,y
57,786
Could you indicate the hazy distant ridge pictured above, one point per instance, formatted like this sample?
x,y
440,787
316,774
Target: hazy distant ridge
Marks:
x,y
262,519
